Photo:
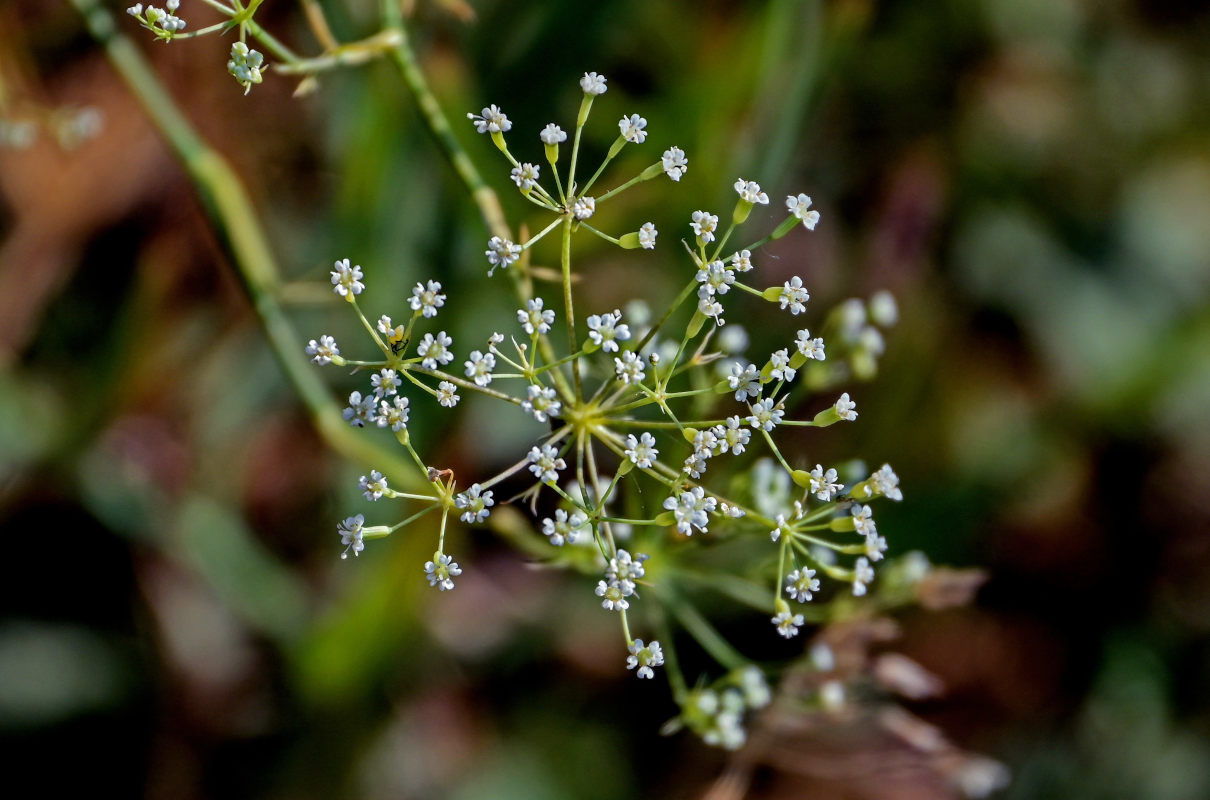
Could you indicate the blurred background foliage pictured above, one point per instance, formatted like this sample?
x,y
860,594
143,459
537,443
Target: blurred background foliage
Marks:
x,y
1030,178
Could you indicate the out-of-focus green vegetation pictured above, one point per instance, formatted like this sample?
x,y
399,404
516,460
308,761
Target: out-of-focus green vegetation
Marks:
x,y
1032,181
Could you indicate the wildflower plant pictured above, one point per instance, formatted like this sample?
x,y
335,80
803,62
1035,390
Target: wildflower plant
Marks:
x,y
660,440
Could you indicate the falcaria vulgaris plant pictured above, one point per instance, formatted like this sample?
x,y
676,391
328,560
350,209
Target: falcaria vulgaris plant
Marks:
x,y
659,467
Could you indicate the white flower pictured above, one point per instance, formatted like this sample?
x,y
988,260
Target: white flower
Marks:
x,y
775,534
384,325
675,163
641,451
435,351
564,528
749,192
690,509
754,687
766,414
346,279
135,10
863,575
613,596
742,261
447,394
801,583
360,410
745,380
372,486
501,252
728,510
534,318
824,484
704,224
605,331
593,84
863,520
491,120
441,573
644,657
525,176
321,352
787,624
351,533
794,296
716,278
552,134
629,368
479,367
708,306
875,546
584,208
545,463
811,348
781,366
695,465
475,503
386,383
732,436
626,568
426,299
846,408
647,235
393,414
887,482
540,402
632,128
798,207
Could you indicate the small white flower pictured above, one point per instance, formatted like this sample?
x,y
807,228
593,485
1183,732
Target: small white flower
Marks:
x,y
360,410
447,394
645,657
704,224
441,573
875,546
135,10
629,368
321,352
475,503
811,348
824,484
798,206
386,383
564,528
749,192
540,402
613,596
782,370
863,575
552,134
641,451
435,351
716,278
593,84
766,414
754,687
373,486
775,534
545,463
351,533
675,163
647,234
742,261
605,331
584,208
887,482
393,414
491,120
794,296
846,408
787,624
501,252
709,306
534,318
863,520
695,465
384,325
626,568
745,380
801,583
728,510
525,176
632,128
426,299
479,367
690,509
732,436
346,279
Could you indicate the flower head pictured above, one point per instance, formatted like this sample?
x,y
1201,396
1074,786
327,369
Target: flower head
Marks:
x,y
501,252
545,463
373,486
491,120
447,394
766,414
715,278
435,350
704,224
794,295
675,163
887,483
745,380
647,234
749,192
386,383
824,484
846,408
690,509
863,575
351,532
801,583
393,414
552,134
811,348
788,624
479,367
798,206
525,176
474,503
629,368
426,299
641,451
442,571
360,410
593,84
540,402
564,528
322,352
632,128
645,657
346,280
535,319
584,207
605,331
